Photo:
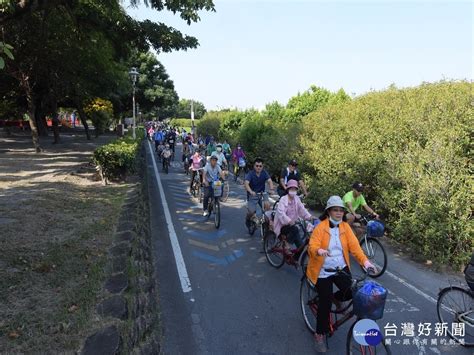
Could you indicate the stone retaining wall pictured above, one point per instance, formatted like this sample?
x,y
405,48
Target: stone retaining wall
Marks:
x,y
129,304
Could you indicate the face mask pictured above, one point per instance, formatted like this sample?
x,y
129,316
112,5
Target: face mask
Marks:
x,y
292,193
238,147
219,149
333,221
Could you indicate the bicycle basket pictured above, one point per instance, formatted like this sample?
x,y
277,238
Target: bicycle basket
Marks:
x,y
369,300
375,229
242,163
218,188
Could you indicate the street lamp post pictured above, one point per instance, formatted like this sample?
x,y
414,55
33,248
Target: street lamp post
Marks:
x,y
133,77
192,119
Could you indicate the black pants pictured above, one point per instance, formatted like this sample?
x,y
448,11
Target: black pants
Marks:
x,y
324,287
208,192
292,234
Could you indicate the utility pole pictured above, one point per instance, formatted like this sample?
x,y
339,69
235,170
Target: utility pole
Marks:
x,y
192,119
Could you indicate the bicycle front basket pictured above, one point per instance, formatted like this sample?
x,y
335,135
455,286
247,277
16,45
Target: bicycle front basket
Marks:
x,y
369,300
375,229
218,187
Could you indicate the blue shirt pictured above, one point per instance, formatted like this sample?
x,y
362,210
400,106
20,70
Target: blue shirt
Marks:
x,y
257,183
159,136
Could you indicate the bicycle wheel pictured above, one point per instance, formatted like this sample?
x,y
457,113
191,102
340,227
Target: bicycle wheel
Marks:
x,y
217,213
225,193
354,348
273,250
309,304
376,254
303,260
456,305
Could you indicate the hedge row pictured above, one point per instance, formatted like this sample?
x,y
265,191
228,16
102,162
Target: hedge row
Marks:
x,y
117,159
411,147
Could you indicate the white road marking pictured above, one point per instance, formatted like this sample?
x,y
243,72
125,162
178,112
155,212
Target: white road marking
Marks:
x,y
411,287
178,255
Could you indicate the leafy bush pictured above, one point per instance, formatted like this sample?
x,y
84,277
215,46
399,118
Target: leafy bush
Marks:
x,y
182,122
412,147
118,158
100,112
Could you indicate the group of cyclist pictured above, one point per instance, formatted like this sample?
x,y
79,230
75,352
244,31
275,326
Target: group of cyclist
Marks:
x,y
331,241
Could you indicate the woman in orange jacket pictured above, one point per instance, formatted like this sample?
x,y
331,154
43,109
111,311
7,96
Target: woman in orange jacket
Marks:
x,y
329,247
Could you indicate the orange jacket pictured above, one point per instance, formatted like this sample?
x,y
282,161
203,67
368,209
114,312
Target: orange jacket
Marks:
x,y
320,240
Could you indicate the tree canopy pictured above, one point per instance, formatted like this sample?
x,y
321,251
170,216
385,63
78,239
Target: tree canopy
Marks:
x,y
65,52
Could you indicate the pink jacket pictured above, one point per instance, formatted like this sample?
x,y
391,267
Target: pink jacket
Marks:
x,y
283,215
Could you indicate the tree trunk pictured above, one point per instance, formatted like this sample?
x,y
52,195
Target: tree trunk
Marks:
x,y
82,116
40,121
32,120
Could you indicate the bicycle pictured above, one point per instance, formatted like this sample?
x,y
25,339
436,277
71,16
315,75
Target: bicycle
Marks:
x,y
456,305
309,307
240,168
226,187
277,254
214,205
259,219
166,164
196,184
372,247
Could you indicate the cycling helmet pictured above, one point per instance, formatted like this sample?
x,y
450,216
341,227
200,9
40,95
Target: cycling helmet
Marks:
x,y
293,162
358,186
375,229
214,156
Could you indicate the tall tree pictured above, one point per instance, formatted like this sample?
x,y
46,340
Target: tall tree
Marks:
x,y
155,90
184,109
84,55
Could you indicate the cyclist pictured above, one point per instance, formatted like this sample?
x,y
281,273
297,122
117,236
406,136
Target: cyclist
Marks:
x,y
226,149
166,154
221,160
196,164
211,147
158,138
353,200
255,182
290,208
237,155
329,247
171,139
290,173
212,172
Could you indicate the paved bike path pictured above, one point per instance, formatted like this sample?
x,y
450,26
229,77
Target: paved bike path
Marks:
x,y
238,303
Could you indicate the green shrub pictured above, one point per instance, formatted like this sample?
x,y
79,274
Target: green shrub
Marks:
x,y
413,148
118,158
182,122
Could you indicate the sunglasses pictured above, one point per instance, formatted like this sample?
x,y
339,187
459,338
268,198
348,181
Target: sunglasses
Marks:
x,y
337,209
259,166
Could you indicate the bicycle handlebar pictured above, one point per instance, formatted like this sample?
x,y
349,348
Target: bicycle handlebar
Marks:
x,y
355,280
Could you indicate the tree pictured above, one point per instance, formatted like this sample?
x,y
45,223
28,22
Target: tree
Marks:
x,y
184,109
75,50
155,90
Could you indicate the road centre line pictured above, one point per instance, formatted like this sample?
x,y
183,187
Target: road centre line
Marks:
x,y
178,255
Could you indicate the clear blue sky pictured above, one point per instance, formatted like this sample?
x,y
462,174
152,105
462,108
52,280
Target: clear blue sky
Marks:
x,y
255,52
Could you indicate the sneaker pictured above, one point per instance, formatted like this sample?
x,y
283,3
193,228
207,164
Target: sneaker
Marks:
x,y
320,344
206,213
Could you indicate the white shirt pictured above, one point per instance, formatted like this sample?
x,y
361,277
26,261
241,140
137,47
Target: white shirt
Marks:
x,y
336,257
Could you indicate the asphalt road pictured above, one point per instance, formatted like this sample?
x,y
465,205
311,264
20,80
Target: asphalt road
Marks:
x,y
219,295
